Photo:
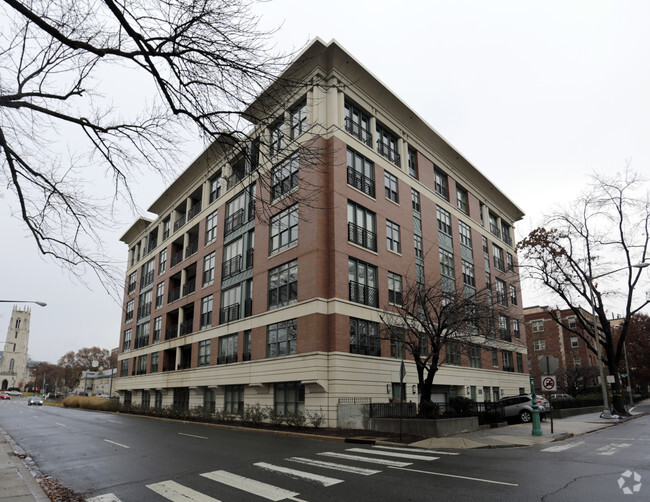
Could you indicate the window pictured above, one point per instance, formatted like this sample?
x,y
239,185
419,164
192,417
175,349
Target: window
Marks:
x,y
465,233
364,337
576,361
494,223
509,261
391,187
124,368
440,180
215,186
363,282
495,358
126,344
281,338
142,335
230,304
128,316
505,233
413,163
211,228
299,119
166,226
539,344
504,327
415,200
537,325
513,294
357,123
520,364
387,144
461,200
144,304
234,399
208,268
157,329
246,355
468,274
394,288
160,294
228,346
502,299
361,173
444,220
204,353
206,311
289,398
362,226
162,262
393,242
133,282
485,247
474,356
233,258
452,353
277,137
515,328
235,213
284,177
572,322
574,342
447,264
142,365
284,229
147,274
508,365
397,349
154,362
283,284
417,243
497,253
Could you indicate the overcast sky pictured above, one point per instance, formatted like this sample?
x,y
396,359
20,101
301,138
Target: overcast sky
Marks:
x,y
536,95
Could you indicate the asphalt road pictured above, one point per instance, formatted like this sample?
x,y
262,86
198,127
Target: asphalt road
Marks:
x,y
111,457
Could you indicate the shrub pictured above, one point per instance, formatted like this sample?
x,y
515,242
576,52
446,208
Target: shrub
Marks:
x,y
254,414
275,417
296,419
316,418
429,409
461,406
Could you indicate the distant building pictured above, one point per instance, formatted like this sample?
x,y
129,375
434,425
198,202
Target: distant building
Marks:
x,y
13,364
97,382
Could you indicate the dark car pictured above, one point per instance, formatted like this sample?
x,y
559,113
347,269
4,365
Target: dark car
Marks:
x,y
35,400
522,407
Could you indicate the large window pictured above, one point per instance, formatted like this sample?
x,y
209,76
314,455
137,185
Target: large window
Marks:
x,y
417,244
539,344
289,398
281,339
206,311
147,273
284,229
497,253
508,364
215,187
142,365
357,123
444,220
474,356
160,295
204,353
364,337
394,288
133,282
415,200
515,328
154,362
126,343
447,264
284,177
277,137
452,353
211,227
391,187
520,362
208,269
142,332
502,299
234,399
299,119
413,163
468,274
461,200
228,346
513,294
283,284
397,348
233,258
144,304
128,315
465,233
157,329
440,180
230,304
362,226
393,239
387,144
361,173
363,282
162,262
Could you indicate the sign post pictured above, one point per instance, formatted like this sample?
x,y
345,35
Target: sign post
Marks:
x,y
549,383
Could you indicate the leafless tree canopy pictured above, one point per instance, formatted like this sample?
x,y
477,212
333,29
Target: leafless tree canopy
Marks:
x,y
605,230
192,67
575,380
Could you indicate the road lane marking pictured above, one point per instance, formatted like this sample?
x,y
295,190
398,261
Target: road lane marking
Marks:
x,y
392,454
563,447
107,497
269,492
370,460
626,439
192,435
456,476
612,448
114,421
335,467
176,492
62,425
416,450
118,444
323,480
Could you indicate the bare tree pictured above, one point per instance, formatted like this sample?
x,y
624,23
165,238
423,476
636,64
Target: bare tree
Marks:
x,y
575,380
433,319
606,230
194,66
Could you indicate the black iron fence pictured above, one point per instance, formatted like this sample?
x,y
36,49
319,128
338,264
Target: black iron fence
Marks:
x,y
487,413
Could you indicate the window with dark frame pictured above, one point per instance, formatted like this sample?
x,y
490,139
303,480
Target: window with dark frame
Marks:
x,y
413,163
440,183
283,285
298,117
284,229
284,177
391,187
281,338
364,337
362,228
361,173
394,288
393,238
204,353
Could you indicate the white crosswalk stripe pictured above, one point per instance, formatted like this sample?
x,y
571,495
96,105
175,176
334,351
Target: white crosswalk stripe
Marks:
x,y
392,454
336,467
416,450
612,448
323,480
563,447
370,460
176,492
269,492
106,497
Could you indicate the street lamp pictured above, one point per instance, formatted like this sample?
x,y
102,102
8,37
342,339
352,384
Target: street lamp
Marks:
x,y
603,383
42,304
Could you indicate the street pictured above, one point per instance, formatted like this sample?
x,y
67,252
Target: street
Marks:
x,y
129,458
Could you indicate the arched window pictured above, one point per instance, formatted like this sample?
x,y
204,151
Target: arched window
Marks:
x,y
11,365
17,323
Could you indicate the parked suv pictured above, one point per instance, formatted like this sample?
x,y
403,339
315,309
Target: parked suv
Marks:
x,y
522,407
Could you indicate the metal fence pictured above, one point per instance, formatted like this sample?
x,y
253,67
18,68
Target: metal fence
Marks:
x,y
486,412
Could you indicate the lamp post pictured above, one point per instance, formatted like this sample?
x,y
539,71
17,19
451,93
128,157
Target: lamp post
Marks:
x,y
42,304
603,383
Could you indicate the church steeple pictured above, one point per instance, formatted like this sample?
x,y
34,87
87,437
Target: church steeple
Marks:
x,y
13,366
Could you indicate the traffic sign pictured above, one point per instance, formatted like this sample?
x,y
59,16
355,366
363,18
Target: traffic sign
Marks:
x,y
549,383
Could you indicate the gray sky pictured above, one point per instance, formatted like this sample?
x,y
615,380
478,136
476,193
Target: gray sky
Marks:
x,y
536,96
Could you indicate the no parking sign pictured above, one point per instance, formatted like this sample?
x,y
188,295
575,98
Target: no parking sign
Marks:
x,y
549,383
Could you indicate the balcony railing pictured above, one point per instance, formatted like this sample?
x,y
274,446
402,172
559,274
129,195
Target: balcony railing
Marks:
x,y
498,263
361,182
191,248
171,332
364,349
366,295
189,286
359,132
174,294
362,237
146,279
507,239
206,319
179,223
495,229
177,257
387,151
141,342
246,356
231,267
194,210
132,286
234,221
232,358
186,327
249,258
144,310
229,314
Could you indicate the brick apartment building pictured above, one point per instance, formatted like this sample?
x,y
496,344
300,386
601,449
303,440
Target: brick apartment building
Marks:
x,y
547,337
225,306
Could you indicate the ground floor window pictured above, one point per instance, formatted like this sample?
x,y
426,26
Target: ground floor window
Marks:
x,y
289,397
146,399
158,400
127,397
182,398
234,399
399,392
209,401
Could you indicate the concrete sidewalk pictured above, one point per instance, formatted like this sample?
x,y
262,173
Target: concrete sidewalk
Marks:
x,y
519,435
17,484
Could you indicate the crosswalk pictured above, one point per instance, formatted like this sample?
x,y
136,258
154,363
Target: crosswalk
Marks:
x,y
320,470
607,450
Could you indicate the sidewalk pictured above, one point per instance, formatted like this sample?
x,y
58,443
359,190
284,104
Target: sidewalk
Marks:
x,y
521,434
17,484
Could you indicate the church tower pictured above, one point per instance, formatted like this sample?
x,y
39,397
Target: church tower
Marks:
x,y
13,368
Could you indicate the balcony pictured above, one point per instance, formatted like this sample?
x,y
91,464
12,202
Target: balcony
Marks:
x,y
194,210
249,258
189,286
177,257
144,310
141,342
505,335
229,314
362,237
186,327
231,267
146,279
386,151
495,229
366,295
179,223
498,263
234,221
364,350
191,248
361,182
358,132
171,332
232,358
